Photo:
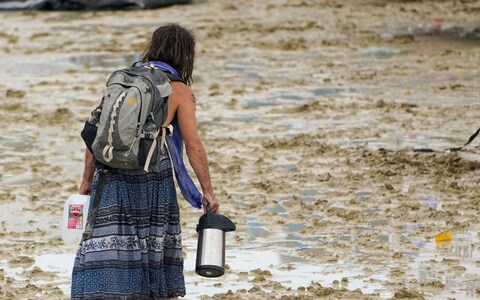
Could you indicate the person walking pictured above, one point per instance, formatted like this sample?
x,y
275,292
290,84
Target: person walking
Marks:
x,y
135,248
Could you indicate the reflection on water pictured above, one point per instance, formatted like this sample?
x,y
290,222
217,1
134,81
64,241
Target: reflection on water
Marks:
x,y
294,227
308,195
253,229
440,262
309,192
428,262
280,209
363,195
430,201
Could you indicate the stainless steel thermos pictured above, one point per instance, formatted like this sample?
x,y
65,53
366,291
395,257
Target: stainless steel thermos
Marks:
x,y
211,230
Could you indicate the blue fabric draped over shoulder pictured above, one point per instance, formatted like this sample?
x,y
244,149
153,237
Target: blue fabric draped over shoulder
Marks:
x,y
185,183
175,146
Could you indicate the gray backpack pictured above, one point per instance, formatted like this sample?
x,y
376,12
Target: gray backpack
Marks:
x,y
130,126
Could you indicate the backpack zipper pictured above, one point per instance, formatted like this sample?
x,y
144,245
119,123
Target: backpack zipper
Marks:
x,y
141,104
152,86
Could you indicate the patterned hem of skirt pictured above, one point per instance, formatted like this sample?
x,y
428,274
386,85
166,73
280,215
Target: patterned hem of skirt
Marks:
x,y
133,296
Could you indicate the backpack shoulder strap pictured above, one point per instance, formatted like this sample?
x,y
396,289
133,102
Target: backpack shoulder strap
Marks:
x,y
135,64
173,77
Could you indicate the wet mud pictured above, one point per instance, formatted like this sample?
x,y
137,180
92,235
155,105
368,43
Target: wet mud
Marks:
x,y
309,112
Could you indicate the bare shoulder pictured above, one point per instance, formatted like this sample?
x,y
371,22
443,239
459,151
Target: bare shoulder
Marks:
x,y
182,91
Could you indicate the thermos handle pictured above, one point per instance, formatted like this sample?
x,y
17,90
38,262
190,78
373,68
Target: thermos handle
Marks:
x,y
207,211
214,221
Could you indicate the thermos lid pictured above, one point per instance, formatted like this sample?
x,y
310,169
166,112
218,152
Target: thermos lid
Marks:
x,y
215,221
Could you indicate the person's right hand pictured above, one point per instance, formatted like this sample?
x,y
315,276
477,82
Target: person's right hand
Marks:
x,y
212,200
85,188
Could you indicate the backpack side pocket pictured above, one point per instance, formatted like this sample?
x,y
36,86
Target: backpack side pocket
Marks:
x,y
89,131
143,150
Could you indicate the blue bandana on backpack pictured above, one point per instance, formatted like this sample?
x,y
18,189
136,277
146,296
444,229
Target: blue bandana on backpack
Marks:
x,y
162,66
175,147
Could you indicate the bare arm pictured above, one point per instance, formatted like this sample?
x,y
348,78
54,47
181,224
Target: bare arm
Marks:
x,y
87,180
182,98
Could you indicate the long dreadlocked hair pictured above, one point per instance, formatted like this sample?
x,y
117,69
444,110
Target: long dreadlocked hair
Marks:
x,y
174,45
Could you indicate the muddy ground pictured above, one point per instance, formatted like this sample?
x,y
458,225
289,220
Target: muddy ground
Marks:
x,y
310,112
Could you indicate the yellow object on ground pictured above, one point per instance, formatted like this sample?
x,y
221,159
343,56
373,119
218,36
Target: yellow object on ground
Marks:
x,y
445,235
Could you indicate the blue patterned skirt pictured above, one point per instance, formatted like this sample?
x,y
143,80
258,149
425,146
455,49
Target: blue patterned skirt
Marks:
x,y
135,251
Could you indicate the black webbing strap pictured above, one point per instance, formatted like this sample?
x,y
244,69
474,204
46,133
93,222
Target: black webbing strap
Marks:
x,y
429,150
426,150
174,77
470,139
87,234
